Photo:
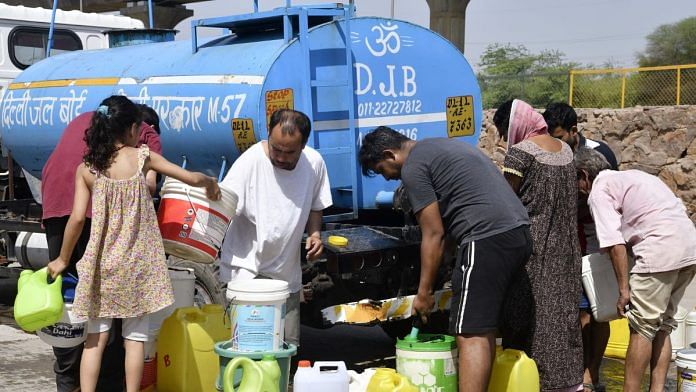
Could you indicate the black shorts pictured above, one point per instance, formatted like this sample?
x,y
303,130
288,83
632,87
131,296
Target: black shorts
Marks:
x,y
484,270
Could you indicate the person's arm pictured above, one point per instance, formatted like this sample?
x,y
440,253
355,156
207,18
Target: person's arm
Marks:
x,y
313,245
619,260
151,181
76,222
431,251
515,166
159,164
514,180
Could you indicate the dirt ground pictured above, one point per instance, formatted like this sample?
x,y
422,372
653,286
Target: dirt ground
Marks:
x,y
26,362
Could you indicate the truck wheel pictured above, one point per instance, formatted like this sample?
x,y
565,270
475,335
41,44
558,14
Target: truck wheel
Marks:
x,y
207,288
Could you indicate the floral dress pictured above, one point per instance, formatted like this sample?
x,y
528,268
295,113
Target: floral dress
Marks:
x,y
123,272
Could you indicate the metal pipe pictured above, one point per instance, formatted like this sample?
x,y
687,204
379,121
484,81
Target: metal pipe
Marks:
x,y
222,169
678,85
10,178
52,28
384,199
571,85
149,13
623,90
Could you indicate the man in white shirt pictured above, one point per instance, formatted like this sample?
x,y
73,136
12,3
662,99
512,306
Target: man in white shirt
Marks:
x,y
283,187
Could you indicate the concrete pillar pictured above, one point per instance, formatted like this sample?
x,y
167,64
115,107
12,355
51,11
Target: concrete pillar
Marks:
x,y
448,17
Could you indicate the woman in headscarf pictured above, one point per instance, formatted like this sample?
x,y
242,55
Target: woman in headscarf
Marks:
x,y
542,318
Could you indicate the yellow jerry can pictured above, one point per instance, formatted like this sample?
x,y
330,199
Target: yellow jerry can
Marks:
x,y
185,357
513,371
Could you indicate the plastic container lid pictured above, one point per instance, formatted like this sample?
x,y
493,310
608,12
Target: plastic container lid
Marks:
x,y
428,343
304,363
686,359
337,240
258,290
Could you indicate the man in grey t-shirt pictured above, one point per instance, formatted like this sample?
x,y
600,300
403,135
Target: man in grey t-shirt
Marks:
x,y
455,189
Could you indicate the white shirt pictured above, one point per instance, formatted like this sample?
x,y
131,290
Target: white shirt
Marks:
x,y
265,235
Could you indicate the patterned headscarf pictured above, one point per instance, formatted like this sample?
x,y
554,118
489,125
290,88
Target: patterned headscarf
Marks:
x,y
524,123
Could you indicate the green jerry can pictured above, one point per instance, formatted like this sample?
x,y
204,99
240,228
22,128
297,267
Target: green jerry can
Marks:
x,y
38,303
257,376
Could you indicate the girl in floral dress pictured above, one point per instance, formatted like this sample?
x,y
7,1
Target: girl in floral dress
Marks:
x,y
123,273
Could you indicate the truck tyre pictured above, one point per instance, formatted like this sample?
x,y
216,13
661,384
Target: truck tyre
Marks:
x,y
207,288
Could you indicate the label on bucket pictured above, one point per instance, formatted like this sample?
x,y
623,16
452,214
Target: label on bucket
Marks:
x,y
192,224
688,384
65,330
254,327
429,375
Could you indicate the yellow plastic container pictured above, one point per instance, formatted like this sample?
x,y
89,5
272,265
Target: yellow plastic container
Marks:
x,y
618,339
185,357
388,380
513,371
38,303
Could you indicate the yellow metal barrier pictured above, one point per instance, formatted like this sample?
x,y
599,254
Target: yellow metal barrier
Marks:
x,y
625,87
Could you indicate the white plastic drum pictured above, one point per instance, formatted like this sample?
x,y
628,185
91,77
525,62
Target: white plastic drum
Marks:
x,y
257,312
31,250
193,226
68,332
183,280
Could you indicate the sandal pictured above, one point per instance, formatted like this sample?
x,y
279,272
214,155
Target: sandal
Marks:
x,y
587,387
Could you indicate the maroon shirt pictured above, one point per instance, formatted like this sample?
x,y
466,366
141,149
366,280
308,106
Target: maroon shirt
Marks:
x,y
58,175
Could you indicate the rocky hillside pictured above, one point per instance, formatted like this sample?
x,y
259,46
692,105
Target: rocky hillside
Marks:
x,y
658,140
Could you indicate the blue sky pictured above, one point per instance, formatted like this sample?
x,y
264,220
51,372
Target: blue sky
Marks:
x,y
587,31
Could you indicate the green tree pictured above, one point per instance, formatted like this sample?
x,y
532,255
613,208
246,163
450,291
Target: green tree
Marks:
x,y
671,44
509,71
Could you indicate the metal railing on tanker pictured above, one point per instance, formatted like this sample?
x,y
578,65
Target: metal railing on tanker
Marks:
x,y
627,87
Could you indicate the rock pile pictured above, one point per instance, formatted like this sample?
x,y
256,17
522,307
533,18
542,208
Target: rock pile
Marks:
x,y
658,140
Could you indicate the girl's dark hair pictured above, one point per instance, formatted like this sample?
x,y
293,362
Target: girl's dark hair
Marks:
x,y
501,118
110,124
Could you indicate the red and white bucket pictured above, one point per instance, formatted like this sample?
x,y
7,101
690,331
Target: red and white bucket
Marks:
x,y
193,226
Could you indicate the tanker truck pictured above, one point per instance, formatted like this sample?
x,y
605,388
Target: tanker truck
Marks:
x,y
214,97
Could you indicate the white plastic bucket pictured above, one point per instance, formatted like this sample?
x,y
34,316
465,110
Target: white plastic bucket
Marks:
x,y
257,313
67,332
600,285
686,370
690,334
183,283
193,226
678,336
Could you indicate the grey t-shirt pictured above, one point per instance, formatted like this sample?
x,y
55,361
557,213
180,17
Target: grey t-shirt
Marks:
x,y
474,198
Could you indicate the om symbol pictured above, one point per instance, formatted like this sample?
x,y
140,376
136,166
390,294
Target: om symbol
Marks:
x,y
389,41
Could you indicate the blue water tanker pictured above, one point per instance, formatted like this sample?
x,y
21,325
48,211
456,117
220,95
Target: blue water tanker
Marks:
x,y
215,96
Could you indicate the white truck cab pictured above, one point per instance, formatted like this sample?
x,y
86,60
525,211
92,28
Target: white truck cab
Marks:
x,y
24,35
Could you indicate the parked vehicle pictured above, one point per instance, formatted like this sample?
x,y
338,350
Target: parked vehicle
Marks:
x,y
214,98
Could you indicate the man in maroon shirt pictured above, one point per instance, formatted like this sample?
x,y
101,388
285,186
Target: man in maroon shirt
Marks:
x,y
57,193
